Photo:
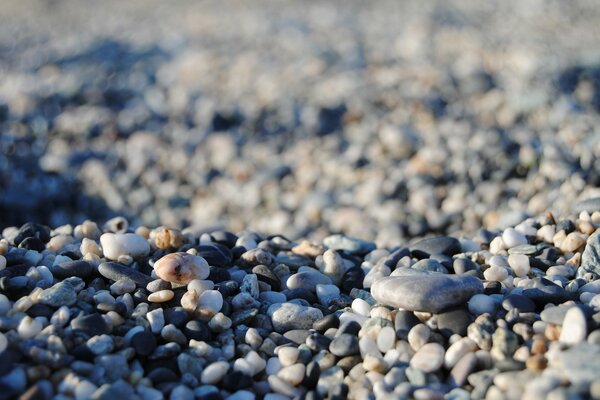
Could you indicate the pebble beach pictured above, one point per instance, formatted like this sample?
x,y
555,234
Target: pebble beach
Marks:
x,y
225,200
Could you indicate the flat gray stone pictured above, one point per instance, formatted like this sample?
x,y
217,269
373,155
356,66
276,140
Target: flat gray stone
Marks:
x,y
590,259
288,316
428,293
581,363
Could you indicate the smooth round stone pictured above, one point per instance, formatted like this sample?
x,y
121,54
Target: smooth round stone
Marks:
x,y
325,323
327,293
344,345
122,286
454,322
81,269
418,336
200,286
288,355
181,268
115,245
519,264
481,304
349,244
215,254
437,245
265,274
332,266
512,238
361,307
144,343
495,273
428,358
574,328
3,342
288,316
542,291
29,327
101,344
519,302
386,339
158,285
580,364
161,296
156,318
293,374
429,265
197,330
404,322
214,372
211,300
458,350
464,265
271,297
428,293
307,280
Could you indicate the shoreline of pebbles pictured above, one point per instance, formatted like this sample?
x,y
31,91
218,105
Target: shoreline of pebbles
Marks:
x,y
114,312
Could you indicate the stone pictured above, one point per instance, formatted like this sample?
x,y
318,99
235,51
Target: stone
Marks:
x,y
437,245
115,245
542,291
92,324
181,268
332,266
215,254
463,368
265,274
101,344
287,316
144,343
250,285
418,336
519,264
210,300
161,296
61,294
293,374
81,269
590,258
481,304
327,293
115,271
454,321
344,345
428,358
574,328
214,372
518,302
428,293
307,280
512,238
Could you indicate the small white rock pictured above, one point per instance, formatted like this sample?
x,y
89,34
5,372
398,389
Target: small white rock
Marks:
x,y
2,262
211,300
386,339
3,342
418,336
4,304
128,244
481,304
519,264
574,328
293,374
214,372
161,296
288,355
513,238
457,350
327,293
361,307
428,358
495,274
156,318
199,285
29,327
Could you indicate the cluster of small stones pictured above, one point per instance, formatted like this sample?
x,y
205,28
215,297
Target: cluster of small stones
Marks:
x,y
112,312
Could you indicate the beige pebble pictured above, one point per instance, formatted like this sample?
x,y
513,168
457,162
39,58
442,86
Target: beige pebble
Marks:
x,y
89,246
181,268
167,238
572,242
3,246
161,296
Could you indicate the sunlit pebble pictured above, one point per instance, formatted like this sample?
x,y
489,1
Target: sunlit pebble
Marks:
x,y
181,268
161,296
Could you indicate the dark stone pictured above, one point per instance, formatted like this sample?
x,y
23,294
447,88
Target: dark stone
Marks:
x,y
176,316
353,278
297,336
92,324
218,274
350,327
392,260
162,375
41,390
542,291
519,302
8,359
347,363
216,254
32,243
115,271
565,225
300,293
227,288
404,322
225,238
157,285
237,380
81,269
344,345
40,310
436,245
462,265
492,287
327,322
264,273
197,330
144,343
317,342
311,377
237,252
31,230
454,321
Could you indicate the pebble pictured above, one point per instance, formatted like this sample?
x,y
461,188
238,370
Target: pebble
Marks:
x,y
519,264
61,294
481,304
344,345
101,344
288,316
438,245
308,280
574,327
349,244
512,238
81,269
181,268
428,293
332,266
115,271
161,296
428,358
156,319
115,245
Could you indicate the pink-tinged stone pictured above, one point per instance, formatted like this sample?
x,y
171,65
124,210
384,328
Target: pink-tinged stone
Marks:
x,y
181,268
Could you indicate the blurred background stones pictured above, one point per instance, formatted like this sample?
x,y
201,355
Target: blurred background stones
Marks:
x,y
384,121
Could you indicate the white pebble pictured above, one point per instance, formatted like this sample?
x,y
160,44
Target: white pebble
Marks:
x,y
161,296
519,264
29,327
288,355
4,304
428,358
512,238
294,374
211,300
84,390
115,245
386,339
200,286
367,345
457,350
418,336
242,365
257,361
574,328
497,245
495,274
156,318
214,372
361,307
327,293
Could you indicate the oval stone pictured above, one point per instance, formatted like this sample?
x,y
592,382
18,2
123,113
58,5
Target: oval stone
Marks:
x,y
428,293
181,268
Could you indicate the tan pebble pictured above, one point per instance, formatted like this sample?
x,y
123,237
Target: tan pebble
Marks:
x,y
143,231
572,242
539,346
552,332
88,229
89,246
596,217
536,363
189,301
586,227
59,241
308,249
3,246
125,259
575,260
166,238
181,268
559,238
161,296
